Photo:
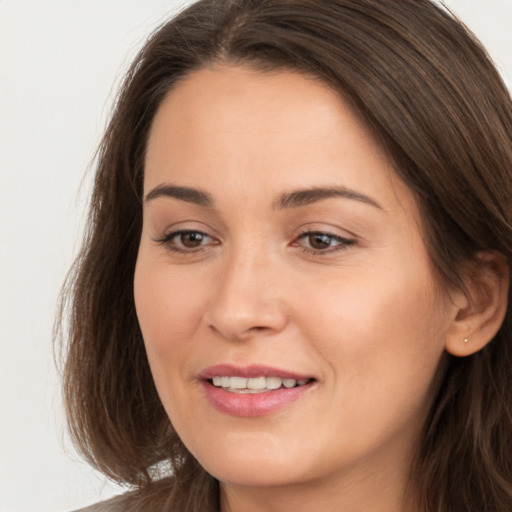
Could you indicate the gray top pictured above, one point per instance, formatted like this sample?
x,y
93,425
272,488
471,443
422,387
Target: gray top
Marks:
x,y
122,503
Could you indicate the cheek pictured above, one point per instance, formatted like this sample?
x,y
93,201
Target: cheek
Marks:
x,y
385,326
382,339
168,312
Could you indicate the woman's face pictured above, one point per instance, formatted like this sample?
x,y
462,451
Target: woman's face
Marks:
x,y
285,296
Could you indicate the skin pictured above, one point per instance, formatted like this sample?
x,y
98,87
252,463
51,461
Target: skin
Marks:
x,y
364,316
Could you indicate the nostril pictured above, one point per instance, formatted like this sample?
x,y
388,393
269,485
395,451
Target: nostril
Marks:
x,y
241,320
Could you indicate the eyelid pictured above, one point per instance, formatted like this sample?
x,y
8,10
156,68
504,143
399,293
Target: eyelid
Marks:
x,y
343,242
185,225
167,241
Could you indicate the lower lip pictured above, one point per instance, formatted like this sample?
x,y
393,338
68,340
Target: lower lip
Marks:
x,y
253,404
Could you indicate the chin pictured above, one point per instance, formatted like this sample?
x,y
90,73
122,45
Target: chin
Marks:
x,y
253,473
252,463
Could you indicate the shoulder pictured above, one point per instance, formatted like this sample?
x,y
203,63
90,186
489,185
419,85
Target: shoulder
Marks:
x,y
123,503
152,497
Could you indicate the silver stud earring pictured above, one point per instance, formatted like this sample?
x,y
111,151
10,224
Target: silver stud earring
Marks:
x,y
466,340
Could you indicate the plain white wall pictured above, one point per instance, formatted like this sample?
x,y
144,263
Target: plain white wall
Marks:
x,y
59,61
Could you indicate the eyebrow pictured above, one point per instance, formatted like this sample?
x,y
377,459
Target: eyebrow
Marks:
x,y
190,195
312,195
287,200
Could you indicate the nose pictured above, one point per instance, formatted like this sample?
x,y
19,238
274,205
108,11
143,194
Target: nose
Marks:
x,y
248,299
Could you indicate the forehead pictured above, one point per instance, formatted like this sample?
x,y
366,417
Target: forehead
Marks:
x,y
264,131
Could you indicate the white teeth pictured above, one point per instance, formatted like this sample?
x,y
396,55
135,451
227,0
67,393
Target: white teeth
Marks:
x,y
254,384
289,383
238,383
274,382
257,383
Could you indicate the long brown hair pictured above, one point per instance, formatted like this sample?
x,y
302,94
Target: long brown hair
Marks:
x,y
431,96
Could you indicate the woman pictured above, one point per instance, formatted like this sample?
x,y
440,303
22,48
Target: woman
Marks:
x,y
293,292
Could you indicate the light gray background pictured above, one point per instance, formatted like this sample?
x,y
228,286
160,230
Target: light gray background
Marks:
x,y
59,64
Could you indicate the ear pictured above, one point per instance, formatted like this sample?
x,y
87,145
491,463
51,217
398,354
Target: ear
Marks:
x,y
479,310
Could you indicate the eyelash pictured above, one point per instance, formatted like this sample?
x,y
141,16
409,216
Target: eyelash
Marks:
x,y
341,243
167,241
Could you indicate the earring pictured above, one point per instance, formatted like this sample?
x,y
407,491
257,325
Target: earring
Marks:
x,y
466,340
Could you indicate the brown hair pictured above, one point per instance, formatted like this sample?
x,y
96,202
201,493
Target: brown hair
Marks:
x,y
432,97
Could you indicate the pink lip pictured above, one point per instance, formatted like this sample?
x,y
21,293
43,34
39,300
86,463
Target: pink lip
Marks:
x,y
252,404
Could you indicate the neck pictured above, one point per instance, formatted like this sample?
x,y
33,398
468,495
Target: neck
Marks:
x,y
375,488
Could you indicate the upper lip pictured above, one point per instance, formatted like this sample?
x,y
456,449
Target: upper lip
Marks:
x,y
255,370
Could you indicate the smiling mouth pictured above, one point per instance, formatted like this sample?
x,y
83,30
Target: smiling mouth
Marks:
x,y
255,384
254,390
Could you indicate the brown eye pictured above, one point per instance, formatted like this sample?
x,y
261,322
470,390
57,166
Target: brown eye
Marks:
x,y
319,241
191,239
186,241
